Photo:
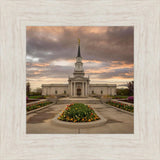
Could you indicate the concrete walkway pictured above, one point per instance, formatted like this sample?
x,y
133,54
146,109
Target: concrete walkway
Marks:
x,y
118,122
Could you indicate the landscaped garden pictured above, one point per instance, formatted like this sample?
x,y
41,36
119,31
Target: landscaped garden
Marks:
x,y
37,105
78,112
126,107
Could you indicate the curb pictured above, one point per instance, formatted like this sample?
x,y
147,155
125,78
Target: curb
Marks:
x,y
80,125
120,109
38,109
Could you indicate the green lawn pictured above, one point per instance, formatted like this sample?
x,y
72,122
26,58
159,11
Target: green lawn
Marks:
x,y
119,97
37,97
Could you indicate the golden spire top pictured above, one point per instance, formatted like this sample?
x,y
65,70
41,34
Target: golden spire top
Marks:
x,y
78,41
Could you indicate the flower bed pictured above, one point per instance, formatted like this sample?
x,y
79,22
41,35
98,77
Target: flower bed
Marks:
x,y
37,105
78,112
126,107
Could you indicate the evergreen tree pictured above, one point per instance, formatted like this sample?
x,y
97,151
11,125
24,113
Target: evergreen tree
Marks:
x,y
28,89
131,88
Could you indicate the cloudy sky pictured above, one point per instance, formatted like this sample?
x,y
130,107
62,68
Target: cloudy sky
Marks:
x,y
107,54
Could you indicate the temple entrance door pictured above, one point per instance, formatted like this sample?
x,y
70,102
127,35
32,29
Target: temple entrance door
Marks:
x,y
78,92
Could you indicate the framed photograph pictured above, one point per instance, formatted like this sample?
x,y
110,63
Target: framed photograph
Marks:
x,y
80,86
79,80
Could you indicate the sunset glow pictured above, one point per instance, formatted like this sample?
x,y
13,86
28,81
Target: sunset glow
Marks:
x,y
107,54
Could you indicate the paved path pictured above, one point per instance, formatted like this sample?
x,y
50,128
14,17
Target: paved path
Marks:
x,y
118,121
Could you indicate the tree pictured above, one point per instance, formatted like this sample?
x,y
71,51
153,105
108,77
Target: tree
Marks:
x,y
39,91
122,92
131,88
28,89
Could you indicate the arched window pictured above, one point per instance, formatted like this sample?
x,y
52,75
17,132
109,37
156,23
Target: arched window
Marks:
x,y
56,92
101,92
64,91
92,92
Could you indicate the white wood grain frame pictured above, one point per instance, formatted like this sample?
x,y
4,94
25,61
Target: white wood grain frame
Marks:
x,y
15,15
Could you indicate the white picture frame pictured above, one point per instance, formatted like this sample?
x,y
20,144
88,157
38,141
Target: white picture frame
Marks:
x,y
15,144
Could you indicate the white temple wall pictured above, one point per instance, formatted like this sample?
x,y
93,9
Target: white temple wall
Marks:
x,y
98,90
103,90
54,90
43,91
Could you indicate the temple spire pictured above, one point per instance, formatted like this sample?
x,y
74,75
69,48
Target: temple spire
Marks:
x,y
79,53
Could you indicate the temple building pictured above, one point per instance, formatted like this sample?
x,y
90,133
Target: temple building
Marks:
x,y
79,85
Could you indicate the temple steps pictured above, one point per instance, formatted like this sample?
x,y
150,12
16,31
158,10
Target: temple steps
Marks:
x,y
85,100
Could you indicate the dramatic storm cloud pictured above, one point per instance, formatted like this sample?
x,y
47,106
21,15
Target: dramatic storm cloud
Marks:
x,y
107,54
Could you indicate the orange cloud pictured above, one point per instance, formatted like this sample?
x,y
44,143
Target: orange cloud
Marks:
x,y
60,30
85,61
121,64
92,61
129,74
115,65
40,64
36,72
101,70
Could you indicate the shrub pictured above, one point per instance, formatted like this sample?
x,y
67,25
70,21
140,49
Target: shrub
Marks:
x,y
37,97
119,97
131,99
78,112
52,96
27,99
106,96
